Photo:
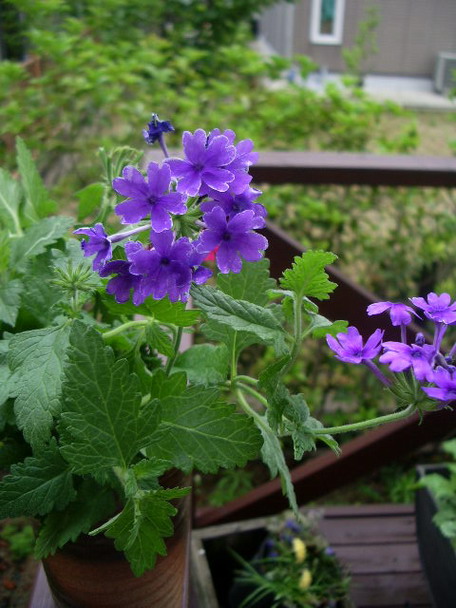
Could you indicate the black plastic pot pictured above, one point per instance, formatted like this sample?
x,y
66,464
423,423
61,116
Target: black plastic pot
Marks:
x,y
438,556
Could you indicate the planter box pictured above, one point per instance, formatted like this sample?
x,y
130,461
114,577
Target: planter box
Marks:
x,y
436,552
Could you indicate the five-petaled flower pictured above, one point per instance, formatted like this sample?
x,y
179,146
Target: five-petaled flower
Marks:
x,y
401,356
438,308
445,379
98,243
349,346
400,314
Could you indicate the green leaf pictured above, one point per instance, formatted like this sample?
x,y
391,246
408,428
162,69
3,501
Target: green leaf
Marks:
x,y
41,295
10,301
159,339
276,393
92,504
37,201
198,430
321,326
139,530
102,422
450,447
36,359
204,363
162,311
307,276
10,199
89,198
37,486
163,385
4,384
240,315
36,238
273,457
235,341
251,284
308,440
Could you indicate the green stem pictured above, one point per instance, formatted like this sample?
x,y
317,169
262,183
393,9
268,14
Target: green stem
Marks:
x,y
177,341
254,393
233,360
247,379
121,328
297,306
251,412
366,424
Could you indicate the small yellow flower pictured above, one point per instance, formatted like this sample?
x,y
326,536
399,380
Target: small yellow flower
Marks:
x,y
306,580
299,549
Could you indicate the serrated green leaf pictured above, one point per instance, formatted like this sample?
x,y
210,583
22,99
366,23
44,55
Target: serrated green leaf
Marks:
x,y
162,311
10,199
37,201
163,385
38,237
4,383
37,486
89,198
35,359
159,340
10,301
233,340
42,295
273,457
204,363
308,439
276,392
251,284
92,504
197,430
102,422
240,315
307,276
321,326
139,530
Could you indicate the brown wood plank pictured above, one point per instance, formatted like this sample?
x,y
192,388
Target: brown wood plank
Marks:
x,y
366,531
399,590
375,558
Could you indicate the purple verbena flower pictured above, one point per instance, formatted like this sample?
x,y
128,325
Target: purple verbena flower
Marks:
x,y
165,269
98,243
445,379
245,157
400,356
205,164
200,273
438,308
156,128
232,204
148,197
400,314
121,285
349,346
233,237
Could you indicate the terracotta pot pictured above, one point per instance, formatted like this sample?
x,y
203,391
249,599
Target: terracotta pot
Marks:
x,y
90,573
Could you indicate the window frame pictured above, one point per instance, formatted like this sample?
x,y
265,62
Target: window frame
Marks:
x,y
316,37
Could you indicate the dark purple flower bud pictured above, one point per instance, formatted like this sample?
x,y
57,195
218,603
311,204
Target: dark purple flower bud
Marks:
x,y
293,526
151,197
438,308
98,243
400,314
401,356
205,164
349,346
420,340
121,285
156,128
233,237
445,379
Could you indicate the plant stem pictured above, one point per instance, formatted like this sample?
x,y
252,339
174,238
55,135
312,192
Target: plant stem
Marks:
x,y
254,393
366,424
121,328
177,341
247,379
251,412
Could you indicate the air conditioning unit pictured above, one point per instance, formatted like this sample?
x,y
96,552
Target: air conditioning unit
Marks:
x,y
445,73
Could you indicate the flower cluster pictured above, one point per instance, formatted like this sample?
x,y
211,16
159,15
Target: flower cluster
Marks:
x,y
207,193
435,372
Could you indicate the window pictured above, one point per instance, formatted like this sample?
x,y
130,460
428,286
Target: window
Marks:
x,y
327,21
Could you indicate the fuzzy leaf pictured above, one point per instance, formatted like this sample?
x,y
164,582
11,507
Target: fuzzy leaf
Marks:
x,y
91,505
321,326
89,198
102,422
162,311
35,359
251,284
197,430
307,276
204,363
41,295
159,340
37,201
240,315
36,238
37,486
10,301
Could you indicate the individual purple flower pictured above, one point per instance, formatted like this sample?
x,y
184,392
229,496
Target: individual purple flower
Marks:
x,y
156,128
205,164
165,269
232,204
98,243
121,285
245,157
200,273
400,314
445,379
148,197
349,346
438,308
400,356
233,237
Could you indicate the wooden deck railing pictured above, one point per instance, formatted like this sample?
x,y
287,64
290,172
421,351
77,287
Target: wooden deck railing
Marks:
x,y
381,446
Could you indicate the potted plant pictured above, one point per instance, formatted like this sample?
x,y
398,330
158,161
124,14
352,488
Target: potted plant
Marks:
x,y
436,526
102,418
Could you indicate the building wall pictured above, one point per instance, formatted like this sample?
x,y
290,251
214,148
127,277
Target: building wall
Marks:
x,y
410,35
